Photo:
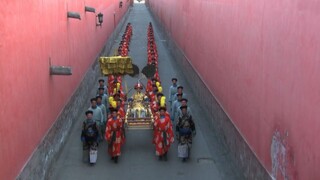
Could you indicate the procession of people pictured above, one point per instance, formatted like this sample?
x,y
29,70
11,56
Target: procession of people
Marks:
x,y
105,118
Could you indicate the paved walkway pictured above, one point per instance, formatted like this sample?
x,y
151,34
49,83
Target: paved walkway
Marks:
x,y
138,160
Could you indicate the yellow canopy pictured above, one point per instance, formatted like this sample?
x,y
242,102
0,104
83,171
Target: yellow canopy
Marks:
x,y
116,65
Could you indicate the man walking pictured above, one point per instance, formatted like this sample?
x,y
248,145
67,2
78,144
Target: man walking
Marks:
x,y
114,135
163,134
97,113
173,90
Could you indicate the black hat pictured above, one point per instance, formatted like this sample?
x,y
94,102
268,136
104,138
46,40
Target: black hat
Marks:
x,y
89,112
113,109
184,99
99,97
183,107
163,108
174,79
180,87
101,80
93,99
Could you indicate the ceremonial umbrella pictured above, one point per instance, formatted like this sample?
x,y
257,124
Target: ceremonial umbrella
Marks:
x,y
135,71
149,70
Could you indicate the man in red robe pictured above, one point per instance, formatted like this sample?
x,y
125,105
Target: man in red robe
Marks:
x,y
163,134
150,84
114,135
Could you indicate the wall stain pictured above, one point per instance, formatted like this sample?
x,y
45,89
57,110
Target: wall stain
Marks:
x,y
282,157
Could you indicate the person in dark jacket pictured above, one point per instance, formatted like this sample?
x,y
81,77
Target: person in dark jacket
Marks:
x,y
90,135
185,129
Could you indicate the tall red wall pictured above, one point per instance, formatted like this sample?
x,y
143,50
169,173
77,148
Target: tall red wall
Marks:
x,y
31,32
261,60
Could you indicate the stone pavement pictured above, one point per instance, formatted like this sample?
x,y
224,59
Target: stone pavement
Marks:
x,y
208,160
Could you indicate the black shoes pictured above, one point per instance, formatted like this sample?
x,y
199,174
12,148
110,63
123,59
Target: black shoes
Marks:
x,y
116,159
164,157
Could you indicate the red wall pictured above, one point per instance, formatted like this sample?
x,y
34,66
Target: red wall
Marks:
x,y
31,32
261,60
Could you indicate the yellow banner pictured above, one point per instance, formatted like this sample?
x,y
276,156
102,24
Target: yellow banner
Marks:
x,y
116,65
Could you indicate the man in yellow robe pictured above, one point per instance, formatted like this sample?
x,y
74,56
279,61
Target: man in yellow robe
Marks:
x,y
138,102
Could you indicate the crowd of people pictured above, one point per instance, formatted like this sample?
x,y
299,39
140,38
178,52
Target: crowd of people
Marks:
x,y
163,135
106,114
105,117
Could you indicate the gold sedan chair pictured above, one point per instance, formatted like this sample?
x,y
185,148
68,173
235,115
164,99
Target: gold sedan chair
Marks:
x,y
139,115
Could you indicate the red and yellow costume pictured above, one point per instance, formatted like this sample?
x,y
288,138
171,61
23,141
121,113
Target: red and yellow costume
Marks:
x,y
163,134
115,136
149,86
112,78
121,112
